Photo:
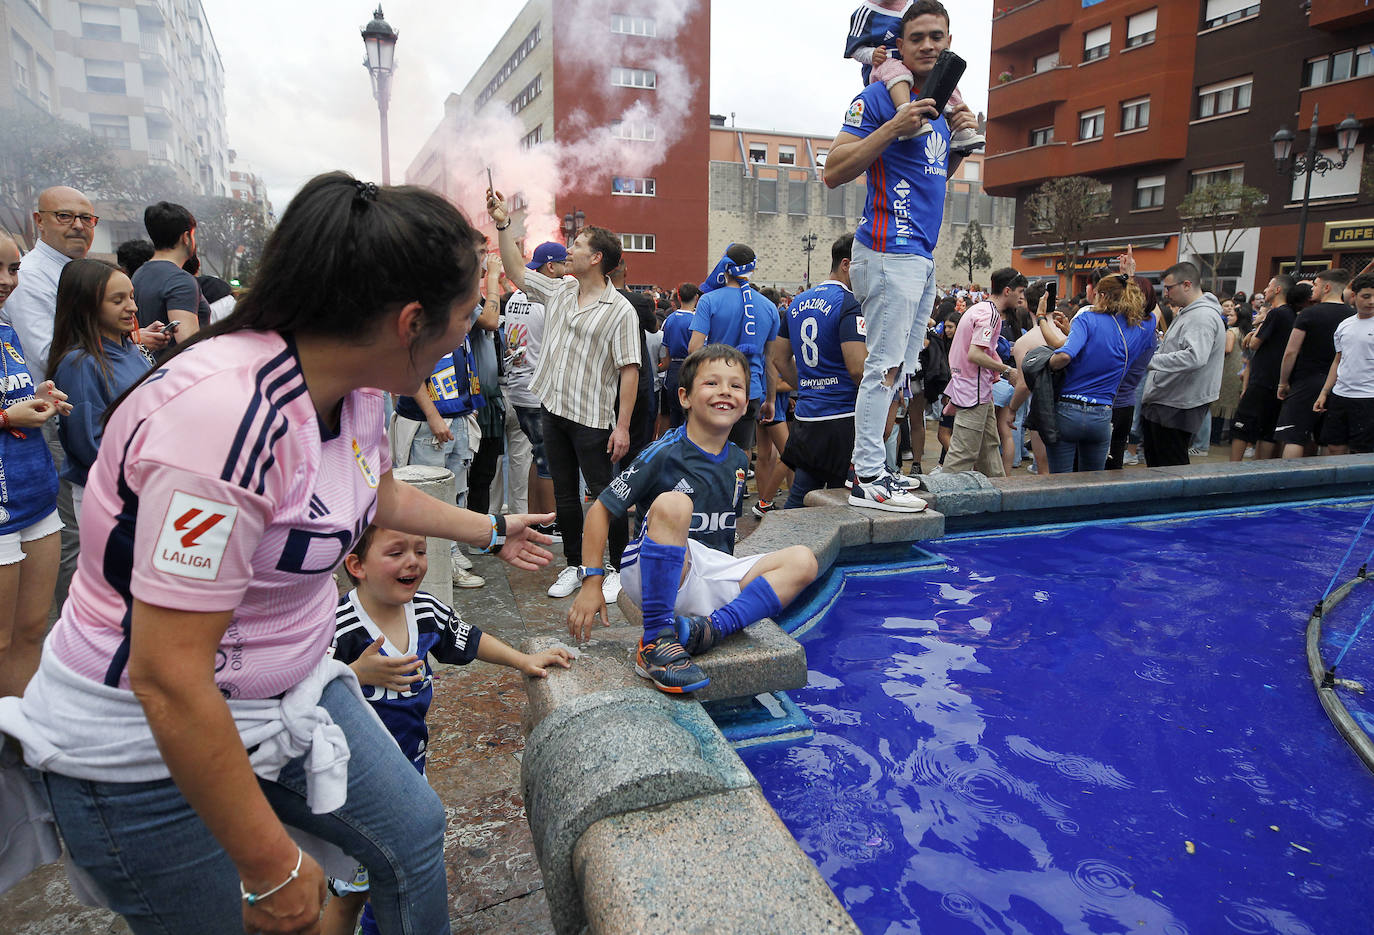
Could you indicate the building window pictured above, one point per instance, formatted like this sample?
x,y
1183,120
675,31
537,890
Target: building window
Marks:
x,y
821,156
637,243
758,152
45,84
100,22
20,51
767,193
113,129
1042,136
1338,66
796,197
1221,175
527,94
633,78
973,170
620,186
787,155
1046,62
533,138
105,77
626,25
1097,43
1091,122
1221,12
834,202
1135,115
1102,200
509,66
1227,97
1149,192
518,202
634,130
1140,28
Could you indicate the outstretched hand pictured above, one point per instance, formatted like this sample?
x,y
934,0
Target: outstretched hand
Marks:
x,y
524,546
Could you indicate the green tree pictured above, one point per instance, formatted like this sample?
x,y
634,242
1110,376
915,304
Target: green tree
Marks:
x,y
38,151
973,249
1064,208
230,234
1225,209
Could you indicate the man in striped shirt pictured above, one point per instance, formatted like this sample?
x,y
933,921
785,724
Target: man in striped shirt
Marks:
x,y
591,350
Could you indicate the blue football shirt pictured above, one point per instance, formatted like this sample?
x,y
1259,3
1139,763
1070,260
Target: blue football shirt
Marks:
x,y
817,323
720,316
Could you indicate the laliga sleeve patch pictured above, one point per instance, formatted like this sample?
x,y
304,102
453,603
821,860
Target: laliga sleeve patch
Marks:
x,y
855,115
861,326
195,533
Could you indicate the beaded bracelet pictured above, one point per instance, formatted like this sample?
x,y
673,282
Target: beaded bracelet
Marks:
x,y
253,899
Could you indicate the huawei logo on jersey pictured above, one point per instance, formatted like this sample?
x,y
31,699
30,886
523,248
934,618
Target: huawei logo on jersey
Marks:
x,y
936,151
194,537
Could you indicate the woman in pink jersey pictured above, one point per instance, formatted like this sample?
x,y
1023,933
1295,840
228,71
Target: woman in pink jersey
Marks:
x,y
184,712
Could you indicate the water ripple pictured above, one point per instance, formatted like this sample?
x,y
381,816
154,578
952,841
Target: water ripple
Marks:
x,y
1098,878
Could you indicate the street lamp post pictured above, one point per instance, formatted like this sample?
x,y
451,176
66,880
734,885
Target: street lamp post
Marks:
x,y
808,244
380,41
1312,162
573,222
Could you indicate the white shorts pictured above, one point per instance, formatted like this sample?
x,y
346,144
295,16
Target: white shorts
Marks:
x,y
10,551
712,579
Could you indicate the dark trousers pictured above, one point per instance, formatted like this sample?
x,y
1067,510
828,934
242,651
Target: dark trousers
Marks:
x,y
486,461
1122,417
803,482
572,448
1165,446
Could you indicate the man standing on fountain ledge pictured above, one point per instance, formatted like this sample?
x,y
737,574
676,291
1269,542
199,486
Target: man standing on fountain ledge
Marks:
x,y
893,270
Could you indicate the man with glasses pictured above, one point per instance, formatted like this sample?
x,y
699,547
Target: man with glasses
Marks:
x,y
1184,376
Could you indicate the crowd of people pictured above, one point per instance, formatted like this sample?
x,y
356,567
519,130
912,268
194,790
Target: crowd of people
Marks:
x,y
184,469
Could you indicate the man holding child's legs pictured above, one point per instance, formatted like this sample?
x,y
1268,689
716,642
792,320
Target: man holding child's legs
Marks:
x,y
682,571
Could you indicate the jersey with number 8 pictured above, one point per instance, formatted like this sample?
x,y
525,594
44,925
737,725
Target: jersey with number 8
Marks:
x,y
818,322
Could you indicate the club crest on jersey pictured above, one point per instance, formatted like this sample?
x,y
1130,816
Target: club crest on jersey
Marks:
x,y
195,533
14,355
368,474
936,151
855,116
739,485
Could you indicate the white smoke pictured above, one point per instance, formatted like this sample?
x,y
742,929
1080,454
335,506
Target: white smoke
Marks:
x,y
585,153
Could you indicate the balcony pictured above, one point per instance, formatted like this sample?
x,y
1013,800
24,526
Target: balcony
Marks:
x,y
1004,173
1335,100
1028,22
1037,90
1335,15
160,152
153,52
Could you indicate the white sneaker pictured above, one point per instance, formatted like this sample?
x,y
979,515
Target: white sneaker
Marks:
x,y
462,577
610,586
566,583
884,493
1130,457
460,560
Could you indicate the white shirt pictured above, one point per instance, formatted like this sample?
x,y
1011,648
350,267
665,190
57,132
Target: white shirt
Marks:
x,y
1354,340
33,304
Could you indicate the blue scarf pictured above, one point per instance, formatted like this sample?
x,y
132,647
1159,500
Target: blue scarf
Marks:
x,y
717,280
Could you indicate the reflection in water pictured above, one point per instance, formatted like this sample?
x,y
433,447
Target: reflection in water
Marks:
x,y
1079,732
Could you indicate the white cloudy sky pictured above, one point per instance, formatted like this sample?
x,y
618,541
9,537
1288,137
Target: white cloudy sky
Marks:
x,y
299,101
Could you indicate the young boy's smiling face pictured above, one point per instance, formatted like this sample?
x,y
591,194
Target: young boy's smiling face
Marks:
x,y
718,395
393,567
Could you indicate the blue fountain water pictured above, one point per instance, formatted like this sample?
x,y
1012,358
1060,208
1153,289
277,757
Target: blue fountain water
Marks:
x,y
1100,729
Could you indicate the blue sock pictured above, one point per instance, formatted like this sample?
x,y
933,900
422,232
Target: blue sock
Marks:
x,y
660,570
756,601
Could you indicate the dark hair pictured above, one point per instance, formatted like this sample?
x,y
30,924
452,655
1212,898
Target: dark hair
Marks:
x,y
1184,272
1117,294
1098,274
76,322
923,8
132,254
1362,282
1300,296
687,292
1147,292
771,294
360,549
212,288
1337,277
345,253
605,243
944,309
1034,292
740,254
1166,315
1006,278
703,355
1245,318
1286,284
192,265
166,222
842,249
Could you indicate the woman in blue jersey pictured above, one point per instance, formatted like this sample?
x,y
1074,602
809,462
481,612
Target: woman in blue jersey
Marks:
x,y
93,356
1102,342
29,526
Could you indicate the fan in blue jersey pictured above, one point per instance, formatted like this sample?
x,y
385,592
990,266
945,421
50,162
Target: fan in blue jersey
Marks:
x,y
893,270
820,350
386,629
682,572
677,335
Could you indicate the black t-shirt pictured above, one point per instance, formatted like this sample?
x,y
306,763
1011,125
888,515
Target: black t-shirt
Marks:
x,y
160,285
1264,365
674,462
1319,346
648,321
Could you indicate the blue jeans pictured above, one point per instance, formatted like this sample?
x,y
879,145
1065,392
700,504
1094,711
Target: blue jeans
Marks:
x,y
897,292
456,455
1085,431
160,868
